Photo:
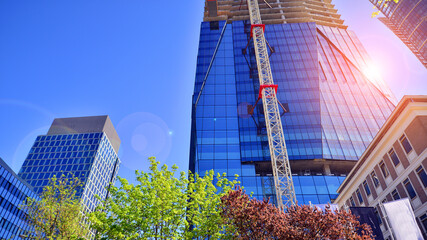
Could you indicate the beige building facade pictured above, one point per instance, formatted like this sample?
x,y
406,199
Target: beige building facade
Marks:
x,y
394,165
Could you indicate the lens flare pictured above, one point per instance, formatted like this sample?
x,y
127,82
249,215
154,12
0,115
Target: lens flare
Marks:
x,y
373,72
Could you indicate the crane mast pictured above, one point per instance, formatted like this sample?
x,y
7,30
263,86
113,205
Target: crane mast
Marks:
x,y
279,156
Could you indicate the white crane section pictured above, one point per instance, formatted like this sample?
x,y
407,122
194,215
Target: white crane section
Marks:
x,y
279,156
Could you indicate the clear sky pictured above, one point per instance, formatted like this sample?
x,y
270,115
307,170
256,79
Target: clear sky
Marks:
x,y
134,60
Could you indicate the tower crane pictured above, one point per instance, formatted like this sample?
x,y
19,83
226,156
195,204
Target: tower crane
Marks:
x,y
282,175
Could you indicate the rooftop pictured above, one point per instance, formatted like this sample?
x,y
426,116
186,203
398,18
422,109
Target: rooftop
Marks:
x,y
93,124
321,12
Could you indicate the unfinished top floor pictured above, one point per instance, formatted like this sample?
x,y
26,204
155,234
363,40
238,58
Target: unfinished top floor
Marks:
x,y
321,12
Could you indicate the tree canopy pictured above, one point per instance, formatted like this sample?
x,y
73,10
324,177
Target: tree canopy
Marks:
x,y
163,206
166,204
254,219
57,215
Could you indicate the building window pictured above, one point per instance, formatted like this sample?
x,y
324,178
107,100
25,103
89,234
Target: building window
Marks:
x,y
395,194
423,219
375,179
377,213
409,188
384,169
367,189
393,157
422,175
405,143
353,204
359,196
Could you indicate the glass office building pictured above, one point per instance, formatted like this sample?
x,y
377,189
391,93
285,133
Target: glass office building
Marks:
x,y
408,20
13,192
331,110
84,147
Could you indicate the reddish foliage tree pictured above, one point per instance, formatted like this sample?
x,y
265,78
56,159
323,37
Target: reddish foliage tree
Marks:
x,y
254,219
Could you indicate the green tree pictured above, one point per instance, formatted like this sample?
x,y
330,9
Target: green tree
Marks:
x,y
57,215
163,206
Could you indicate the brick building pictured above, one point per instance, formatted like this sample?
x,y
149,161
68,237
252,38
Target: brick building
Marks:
x,y
394,165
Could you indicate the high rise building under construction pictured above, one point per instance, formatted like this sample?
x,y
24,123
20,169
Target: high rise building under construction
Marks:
x,y
330,107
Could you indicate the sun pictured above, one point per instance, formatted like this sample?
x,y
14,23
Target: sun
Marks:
x,y
373,72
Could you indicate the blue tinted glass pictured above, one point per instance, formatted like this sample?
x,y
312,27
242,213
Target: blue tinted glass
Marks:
x,y
321,185
313,199
359,196
332,183
324,198
410,189
334,111
297,185
12,194
307,185
394,157
69,159
367,189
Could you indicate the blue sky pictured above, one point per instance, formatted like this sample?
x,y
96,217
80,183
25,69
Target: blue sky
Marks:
x,y
135,61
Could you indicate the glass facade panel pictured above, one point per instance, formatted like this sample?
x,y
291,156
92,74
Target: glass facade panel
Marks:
x,y
375,179
384,169
89,156
359,196
409,188
395,194
394,157
405,143
307,185
13,193
408,20
366,187
422,175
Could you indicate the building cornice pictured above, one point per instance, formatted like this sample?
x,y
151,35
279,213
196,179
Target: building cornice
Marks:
x,y
404,102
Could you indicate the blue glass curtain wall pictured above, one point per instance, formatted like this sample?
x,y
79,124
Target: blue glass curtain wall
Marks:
x,y
13,193
88,156
334,111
